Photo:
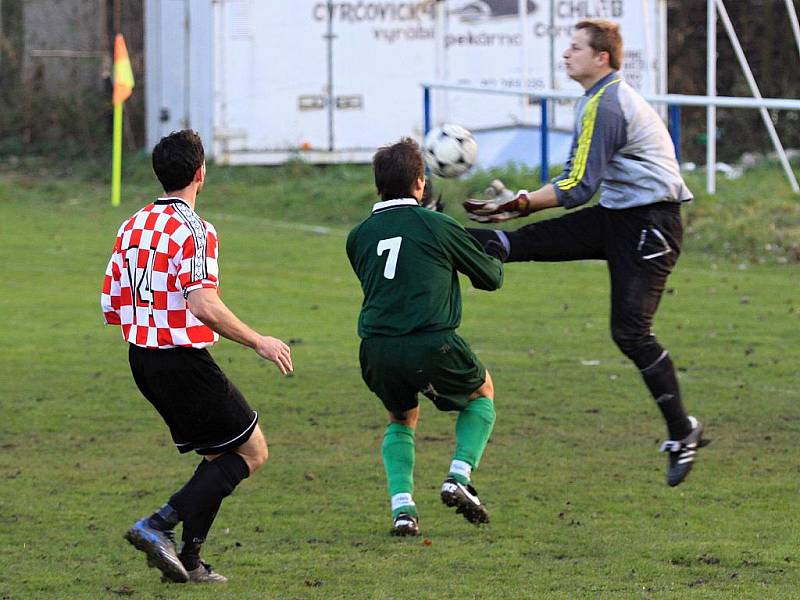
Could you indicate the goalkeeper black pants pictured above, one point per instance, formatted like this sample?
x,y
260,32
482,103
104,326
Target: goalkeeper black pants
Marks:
x,y
640,245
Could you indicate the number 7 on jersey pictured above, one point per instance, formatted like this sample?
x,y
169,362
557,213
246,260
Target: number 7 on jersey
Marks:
x,y
393,246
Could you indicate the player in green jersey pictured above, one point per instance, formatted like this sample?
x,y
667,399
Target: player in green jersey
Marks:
x,y
408,259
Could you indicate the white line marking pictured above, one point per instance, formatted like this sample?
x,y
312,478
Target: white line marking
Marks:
x,y
319,229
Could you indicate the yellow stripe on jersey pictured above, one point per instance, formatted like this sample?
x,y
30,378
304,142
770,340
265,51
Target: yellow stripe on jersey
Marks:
x,y
584,142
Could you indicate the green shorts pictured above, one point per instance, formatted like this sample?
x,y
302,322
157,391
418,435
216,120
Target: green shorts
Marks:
x,y
439,365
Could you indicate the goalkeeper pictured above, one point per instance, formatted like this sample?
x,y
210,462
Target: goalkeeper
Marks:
x,y
621,146
408,259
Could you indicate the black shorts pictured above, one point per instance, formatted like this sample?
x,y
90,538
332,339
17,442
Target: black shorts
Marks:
x,y
202,408
439,365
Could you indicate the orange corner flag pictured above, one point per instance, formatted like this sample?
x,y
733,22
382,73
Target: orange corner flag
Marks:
x,y
123,74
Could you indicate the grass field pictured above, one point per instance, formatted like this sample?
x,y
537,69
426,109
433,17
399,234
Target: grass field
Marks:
x,y
572,474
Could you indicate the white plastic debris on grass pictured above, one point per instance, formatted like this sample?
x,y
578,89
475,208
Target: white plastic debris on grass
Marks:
x,y
729,171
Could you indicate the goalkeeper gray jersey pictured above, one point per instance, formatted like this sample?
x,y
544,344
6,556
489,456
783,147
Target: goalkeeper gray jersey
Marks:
x,y
622,146
408,258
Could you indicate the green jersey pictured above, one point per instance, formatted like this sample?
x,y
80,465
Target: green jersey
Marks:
x,y
407,258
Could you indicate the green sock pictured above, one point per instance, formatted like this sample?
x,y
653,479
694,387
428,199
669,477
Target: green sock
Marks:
x,y
473,428
398,462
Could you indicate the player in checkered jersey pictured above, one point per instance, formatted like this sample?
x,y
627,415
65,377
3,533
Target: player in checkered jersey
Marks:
x,y
161,287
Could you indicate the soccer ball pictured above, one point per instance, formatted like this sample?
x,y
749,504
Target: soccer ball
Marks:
x,y
449,150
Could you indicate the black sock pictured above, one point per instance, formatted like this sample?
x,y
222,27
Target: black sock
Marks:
x,y
662,382
195,530
164,519
212,481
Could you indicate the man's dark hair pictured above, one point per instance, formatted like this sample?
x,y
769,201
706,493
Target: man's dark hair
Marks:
x,y
176,159
604,36
397,168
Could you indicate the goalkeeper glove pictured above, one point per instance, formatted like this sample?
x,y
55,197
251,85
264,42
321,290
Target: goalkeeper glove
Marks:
x,y
501,204
428,200
497,249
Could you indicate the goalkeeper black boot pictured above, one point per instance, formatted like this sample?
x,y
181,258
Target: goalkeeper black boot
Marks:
x,y
465,500
682,453
405,524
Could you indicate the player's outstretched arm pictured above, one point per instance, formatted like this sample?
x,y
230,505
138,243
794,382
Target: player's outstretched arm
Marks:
x,y
207,306
485,271
501,204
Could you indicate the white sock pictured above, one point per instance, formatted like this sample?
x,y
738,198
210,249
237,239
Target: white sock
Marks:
x,y
403,499
459,467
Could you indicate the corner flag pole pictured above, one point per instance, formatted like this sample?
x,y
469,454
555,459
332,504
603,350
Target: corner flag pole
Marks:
x,y
116,156
123,87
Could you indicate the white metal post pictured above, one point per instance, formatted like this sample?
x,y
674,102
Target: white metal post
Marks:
x,y
522,7
154,61
438,37
795,25
442,101
652,45
222,69
438,66
773,134
711,85
329,37
662,58
187,66
552,34
648,57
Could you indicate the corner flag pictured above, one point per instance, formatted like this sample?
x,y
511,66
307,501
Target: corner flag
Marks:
x,y
123,87
123,74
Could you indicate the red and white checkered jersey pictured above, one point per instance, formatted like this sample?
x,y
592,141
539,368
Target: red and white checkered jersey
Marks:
x,y
162,253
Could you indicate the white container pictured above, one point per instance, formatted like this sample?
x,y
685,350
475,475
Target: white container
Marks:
x,y
261,81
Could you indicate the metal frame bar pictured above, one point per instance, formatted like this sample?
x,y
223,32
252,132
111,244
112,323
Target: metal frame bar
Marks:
x,y
329,37
711,90
663,66
187,64
544,166
748,74
795,25
679,99
522,10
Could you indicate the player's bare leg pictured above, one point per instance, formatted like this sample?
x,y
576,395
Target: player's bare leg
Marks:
x,y
486,390
254,451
